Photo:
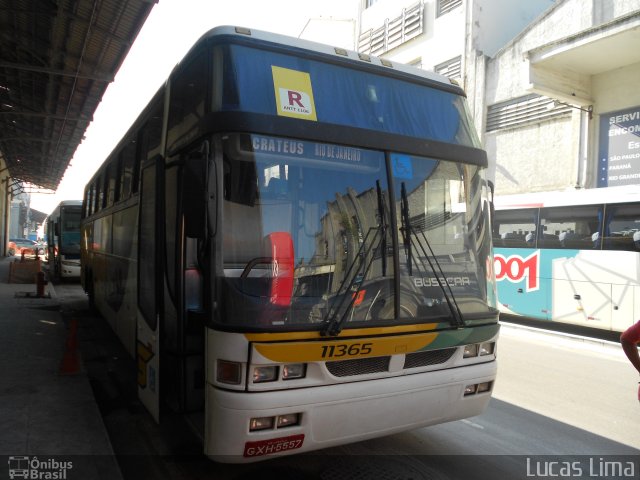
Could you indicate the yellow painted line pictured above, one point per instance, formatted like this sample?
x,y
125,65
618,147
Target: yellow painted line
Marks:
x,y
338,349
346,333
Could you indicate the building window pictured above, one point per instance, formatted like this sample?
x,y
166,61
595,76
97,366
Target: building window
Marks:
x,y
445,6
369,3
450,68
523,110
394,32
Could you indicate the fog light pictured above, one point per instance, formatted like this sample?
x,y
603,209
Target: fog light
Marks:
x,y
470,390
261,423
484,387
295,370
487,348
265,374
229,372
470,350
288,420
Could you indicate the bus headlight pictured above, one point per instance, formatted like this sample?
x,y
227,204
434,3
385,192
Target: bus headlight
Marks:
x,y
265,374
294,370
288,420
487,348
470,350
261,423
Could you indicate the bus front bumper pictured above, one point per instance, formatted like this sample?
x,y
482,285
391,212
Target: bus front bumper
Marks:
x,y
338,414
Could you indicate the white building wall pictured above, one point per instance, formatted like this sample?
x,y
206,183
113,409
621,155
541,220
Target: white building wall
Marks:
x,y
504,45
470,31
488,24
495,22
442,40
547,155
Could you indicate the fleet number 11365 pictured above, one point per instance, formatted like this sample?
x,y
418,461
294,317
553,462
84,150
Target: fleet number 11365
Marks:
x,y
346,350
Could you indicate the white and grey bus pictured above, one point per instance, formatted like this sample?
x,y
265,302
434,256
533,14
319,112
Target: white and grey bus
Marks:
x,y
293,240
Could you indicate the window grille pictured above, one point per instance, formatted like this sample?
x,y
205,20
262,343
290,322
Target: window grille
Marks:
x,y
445,6
523,110
451,68
394,32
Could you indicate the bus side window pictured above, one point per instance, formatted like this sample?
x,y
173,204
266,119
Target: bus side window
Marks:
x,y
99,192
515,228
622,227
127,162
188,99
110,182
572,227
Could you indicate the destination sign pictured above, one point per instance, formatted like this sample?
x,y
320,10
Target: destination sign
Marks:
x,y
315,151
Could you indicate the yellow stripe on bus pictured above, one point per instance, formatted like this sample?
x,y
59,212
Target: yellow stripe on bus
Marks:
x,y
356,332
295,352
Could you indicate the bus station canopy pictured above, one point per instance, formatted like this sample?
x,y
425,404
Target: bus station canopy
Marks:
x,y
57,58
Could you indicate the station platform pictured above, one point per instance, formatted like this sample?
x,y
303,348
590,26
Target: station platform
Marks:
x,y
49,419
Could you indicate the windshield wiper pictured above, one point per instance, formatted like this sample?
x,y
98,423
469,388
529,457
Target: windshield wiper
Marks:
x,y
409,237
406,227
332,325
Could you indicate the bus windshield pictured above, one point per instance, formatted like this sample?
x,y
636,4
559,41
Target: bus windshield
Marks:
x,y
311,236
70,231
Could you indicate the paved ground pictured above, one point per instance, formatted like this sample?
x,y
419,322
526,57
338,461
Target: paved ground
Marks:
x,y
48,411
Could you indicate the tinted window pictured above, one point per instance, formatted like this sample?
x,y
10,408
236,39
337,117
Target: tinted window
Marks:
x,y
622,227
188,95
570,227
515,228
110,183
127,165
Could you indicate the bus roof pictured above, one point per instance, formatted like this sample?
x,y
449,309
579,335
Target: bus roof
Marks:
x,y
340,54
65,203
588,196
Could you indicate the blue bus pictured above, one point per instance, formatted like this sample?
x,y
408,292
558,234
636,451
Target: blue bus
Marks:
x,y
62,230
293,240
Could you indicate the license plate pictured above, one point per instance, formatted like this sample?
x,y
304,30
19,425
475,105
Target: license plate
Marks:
x,y
275,445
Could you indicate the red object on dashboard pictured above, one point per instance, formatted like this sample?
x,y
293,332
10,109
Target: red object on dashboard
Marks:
x,y
282,268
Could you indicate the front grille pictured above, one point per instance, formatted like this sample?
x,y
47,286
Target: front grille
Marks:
x,y
359,366
429,357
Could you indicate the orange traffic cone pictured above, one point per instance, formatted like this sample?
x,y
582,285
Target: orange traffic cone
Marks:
x,y
70,364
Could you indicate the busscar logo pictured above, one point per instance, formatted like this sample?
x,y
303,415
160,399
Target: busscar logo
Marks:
x,y
293,93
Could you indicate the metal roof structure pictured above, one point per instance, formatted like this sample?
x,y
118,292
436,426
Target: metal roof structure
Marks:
x,y
57,58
